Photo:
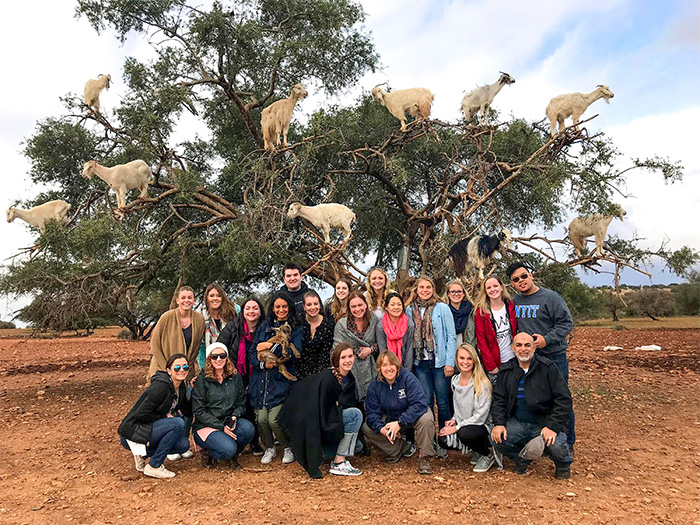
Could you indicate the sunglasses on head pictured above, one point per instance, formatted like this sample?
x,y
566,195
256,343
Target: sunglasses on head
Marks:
x,y
522,276
177,368
214,357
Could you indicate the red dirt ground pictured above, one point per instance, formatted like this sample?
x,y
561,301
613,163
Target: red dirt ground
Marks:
x,y
637,455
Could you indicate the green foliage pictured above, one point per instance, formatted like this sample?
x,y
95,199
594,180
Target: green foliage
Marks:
x,y
583,301
687,295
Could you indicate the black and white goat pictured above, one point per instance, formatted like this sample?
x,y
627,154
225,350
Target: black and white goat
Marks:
x,y
477,251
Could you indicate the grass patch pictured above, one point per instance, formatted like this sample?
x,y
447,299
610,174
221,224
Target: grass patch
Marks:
x,y
645,323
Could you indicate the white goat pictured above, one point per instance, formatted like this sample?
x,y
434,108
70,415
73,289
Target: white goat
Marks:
x,y
92,90
39,215
583,227
480,99
573,105
122,177
325,217
416,101
276,117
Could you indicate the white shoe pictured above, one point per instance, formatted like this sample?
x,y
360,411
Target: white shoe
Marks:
x,y
187,455
140,462
160,472
268,456
344,468
173,457
288,456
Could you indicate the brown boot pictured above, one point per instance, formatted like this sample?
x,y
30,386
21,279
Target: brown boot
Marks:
x,y
233,463
207,460
424,465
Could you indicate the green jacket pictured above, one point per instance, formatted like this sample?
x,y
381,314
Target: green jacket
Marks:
x,y
213,402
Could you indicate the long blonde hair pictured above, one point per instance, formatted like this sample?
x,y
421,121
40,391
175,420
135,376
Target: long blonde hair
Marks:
x,y
374,300
482,300
479,379
435,298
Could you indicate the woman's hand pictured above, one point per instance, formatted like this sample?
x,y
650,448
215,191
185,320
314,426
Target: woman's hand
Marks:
x,y
447,430
264,346
365,352
494,371
269,365
449,371
230,433
391,431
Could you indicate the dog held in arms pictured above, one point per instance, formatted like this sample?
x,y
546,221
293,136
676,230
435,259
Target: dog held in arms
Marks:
x,y
280,341
477,251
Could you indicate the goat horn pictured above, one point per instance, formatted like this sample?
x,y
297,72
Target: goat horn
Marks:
x,y
599,85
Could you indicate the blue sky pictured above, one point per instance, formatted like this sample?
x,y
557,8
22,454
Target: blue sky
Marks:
x,y
648,52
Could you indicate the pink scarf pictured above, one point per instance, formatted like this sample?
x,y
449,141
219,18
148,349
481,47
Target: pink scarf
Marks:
x,y
394,333
242,361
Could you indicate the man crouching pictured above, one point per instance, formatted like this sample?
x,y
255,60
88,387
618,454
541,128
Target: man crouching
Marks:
x,y
530,409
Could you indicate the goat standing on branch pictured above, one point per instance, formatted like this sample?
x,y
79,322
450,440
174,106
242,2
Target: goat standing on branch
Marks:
x,y
481,98
573,105
122,178
583,227
416,101
92,90
276,117
324,217
39,215
477,251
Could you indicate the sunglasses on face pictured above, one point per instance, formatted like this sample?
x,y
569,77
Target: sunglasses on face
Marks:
x,y
515,278
177,368
214,357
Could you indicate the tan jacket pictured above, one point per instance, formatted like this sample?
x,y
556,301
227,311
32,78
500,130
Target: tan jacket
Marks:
x,y
167,339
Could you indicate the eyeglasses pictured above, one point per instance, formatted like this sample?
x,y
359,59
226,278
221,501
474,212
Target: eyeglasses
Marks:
x,y
515,278
455,292
177,368
214,357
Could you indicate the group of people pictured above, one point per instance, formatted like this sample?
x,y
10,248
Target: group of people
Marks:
x,y
406,375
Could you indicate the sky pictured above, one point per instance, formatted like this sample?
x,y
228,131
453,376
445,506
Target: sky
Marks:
x,y
647,51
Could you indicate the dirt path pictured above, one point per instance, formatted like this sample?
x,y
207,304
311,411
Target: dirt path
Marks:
x,y
637,455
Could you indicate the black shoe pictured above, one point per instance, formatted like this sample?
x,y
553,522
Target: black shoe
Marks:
x,y
562,473
521,467
207,460
233,463
256,448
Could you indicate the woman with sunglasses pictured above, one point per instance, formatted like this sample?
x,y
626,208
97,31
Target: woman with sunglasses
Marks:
x,y
155,425
495,324
178,331
218,404
461,309
218,311
268,388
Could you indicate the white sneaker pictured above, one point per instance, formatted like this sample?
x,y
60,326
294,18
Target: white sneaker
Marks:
x,y
160,472
288,456
268,456
344,468
484,463
187,455
173,457
140,462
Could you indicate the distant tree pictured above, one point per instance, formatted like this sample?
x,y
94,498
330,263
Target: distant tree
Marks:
x,y
612,303
652,302
583,301
687,295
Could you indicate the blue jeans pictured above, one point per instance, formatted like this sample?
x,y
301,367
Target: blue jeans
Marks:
x,y
519,433
562,363
436,387
167,437
223,446
349,445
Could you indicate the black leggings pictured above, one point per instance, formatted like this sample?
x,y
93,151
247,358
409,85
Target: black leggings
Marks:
x,y
476,438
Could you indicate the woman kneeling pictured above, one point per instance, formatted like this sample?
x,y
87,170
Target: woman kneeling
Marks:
x,y
396,402
322,418
155,425
472,402
218,402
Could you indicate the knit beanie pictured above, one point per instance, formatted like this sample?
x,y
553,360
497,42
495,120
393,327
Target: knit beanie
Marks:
x,y
214,346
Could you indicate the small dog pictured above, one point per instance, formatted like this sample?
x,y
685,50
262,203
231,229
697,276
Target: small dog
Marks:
x,y
281,342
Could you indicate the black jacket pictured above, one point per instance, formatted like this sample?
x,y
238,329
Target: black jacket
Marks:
x,y
297,297
154,404
213,402
546,393
312,415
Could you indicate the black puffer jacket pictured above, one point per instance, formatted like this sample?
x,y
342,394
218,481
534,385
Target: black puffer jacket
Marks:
x,y
213,402
154,404
546,393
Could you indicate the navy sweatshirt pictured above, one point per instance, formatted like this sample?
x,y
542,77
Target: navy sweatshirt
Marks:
x,y
403,401
545,312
